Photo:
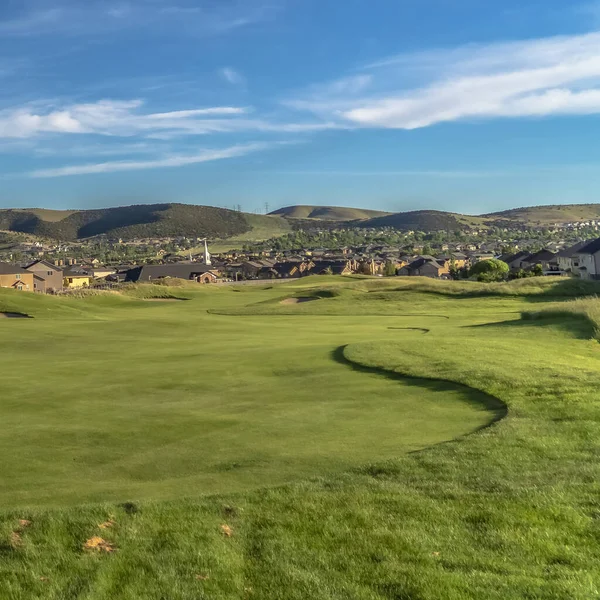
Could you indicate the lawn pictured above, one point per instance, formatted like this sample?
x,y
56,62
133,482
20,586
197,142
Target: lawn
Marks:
x,y
389,439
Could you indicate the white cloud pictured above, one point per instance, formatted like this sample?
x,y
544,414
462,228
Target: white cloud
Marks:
x,y
457,174
79,150
109,117
232,76
80,18
552,76
33,22
161,163
184,114
126,119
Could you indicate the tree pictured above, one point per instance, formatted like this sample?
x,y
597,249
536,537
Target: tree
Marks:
x,y
489,270
389,269
537,271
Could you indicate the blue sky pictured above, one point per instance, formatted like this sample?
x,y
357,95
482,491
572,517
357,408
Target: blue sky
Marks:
x,y
463,105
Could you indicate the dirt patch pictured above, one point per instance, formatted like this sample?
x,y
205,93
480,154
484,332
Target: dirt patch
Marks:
x,y
289,301
12,315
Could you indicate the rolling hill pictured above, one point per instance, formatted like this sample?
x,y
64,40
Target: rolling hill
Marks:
x,y
176,220
421,220
328,213
140,221
430,220
543,215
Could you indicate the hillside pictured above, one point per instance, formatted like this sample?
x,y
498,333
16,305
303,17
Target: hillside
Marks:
x,y
328,213
176,220
421,220
139,221
545,215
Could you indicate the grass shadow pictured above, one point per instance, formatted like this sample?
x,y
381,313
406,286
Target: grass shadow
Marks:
x,y
535,289
498,409
579,327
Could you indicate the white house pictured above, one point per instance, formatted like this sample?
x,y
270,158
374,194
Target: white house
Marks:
x,y
588,259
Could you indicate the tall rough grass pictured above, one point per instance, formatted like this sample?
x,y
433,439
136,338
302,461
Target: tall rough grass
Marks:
x,y
535,286
149,291
140,291
86,293
585,308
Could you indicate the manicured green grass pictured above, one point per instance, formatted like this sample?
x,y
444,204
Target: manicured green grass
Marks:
x,y
152,401
302,420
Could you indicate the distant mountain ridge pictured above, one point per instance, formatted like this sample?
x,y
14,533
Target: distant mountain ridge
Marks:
x,y
178,220
417,220
328,213
430,220
137,221
549,214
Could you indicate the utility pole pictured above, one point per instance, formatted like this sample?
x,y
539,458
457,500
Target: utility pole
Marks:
x,y
267,207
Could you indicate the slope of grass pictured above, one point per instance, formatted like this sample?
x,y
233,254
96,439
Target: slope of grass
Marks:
x,y
587,309
262,228
45,214
221,410
558,213
422,220
140,221
303,424
328,213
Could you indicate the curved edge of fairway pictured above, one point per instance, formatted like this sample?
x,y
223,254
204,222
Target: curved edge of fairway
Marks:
x,y
496,407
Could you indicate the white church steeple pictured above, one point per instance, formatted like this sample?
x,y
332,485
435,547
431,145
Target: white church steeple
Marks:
x,y
206,257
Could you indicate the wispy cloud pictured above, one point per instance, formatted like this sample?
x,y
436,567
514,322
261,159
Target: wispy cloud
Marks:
x,y
535,78
108,117
160,163
88,150
230,75
78,18
450,174
127,119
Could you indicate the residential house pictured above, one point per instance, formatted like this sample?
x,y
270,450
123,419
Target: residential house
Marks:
x,y
544,258
188,271
425,266
371,266
517,261
476,257
333,267
459,260
17,278
46,276
290,269
251,268
568,261
76,277
101,272
588,258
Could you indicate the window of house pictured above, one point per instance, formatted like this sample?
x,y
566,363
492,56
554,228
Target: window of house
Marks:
x,y
50,272
17,276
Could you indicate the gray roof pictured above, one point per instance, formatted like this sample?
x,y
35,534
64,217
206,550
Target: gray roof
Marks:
x,y
424,260
571,250
75,271
590,248
45,263
542,255
11,269
179,271
508,258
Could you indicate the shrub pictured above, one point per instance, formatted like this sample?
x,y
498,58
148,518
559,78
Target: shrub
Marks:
x,y
488,271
